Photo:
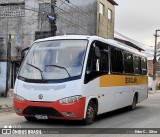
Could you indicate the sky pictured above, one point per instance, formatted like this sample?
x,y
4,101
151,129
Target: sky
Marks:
x,y
138,19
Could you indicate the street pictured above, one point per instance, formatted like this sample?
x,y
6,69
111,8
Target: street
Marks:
x,y
145,116
74,59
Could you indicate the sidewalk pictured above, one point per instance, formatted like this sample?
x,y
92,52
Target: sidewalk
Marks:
x,y
7,102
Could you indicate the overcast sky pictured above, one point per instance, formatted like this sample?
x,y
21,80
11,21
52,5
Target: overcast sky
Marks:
x,y
138,19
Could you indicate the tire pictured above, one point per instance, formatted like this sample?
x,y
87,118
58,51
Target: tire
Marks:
x,y
30,118
90,113
134,103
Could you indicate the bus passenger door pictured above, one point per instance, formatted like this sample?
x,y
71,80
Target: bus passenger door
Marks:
x,y
95,69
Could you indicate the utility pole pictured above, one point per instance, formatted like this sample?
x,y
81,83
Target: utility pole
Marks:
x,y
8,64
53,22
155,63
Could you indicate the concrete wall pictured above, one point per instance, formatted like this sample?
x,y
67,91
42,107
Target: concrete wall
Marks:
x,y
76,17
3,66
21,27
71,20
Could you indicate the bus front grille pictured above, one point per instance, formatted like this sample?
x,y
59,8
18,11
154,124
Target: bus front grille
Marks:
x,y
31,110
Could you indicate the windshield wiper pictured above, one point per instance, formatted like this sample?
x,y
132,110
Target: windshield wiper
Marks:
x,y
37,69
60,68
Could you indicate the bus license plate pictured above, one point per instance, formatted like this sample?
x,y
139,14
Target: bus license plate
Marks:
x,y
41,116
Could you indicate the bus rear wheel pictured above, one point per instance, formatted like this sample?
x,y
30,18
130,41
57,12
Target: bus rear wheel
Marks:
x,y
90,113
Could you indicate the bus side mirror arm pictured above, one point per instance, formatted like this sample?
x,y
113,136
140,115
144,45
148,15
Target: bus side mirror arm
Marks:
x,y
97,65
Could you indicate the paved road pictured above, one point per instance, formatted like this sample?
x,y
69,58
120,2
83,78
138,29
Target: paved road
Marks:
x,y
147,115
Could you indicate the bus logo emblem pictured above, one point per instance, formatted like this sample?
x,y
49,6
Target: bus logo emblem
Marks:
x,y
40,96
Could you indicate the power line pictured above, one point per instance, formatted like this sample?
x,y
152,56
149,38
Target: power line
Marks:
x,y
27,7
82,13
60,6
76,7
73,24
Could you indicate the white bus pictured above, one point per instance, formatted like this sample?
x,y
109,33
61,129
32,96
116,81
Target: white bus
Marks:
x,y
78,77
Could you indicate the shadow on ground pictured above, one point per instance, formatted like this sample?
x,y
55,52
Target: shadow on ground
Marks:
x,y
80,123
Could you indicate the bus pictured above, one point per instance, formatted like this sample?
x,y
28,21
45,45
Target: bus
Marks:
x,y
77,77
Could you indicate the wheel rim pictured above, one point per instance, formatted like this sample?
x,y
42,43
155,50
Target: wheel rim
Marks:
x,y
90,113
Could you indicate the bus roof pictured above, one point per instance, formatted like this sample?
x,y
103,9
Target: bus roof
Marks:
x,y
110,42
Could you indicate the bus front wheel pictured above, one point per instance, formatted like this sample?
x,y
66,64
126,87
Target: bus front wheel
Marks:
x,y
90,113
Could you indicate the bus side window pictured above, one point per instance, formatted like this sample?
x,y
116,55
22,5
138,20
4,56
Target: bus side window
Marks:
x,y
137,65
128,63
91,68
144,66
116,61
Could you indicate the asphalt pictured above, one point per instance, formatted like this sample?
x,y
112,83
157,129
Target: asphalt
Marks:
x,y
145,116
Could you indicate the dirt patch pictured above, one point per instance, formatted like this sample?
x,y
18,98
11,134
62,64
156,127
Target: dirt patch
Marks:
x,y
6,108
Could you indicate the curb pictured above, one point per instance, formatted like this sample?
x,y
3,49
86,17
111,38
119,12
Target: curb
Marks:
x,y
150,92
5,106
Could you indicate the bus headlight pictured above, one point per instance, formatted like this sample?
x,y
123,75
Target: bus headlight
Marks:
x,y
19,98
70,99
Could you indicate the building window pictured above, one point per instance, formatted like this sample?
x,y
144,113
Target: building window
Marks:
x,y
116,61
101,8
45,7
12,10
109,14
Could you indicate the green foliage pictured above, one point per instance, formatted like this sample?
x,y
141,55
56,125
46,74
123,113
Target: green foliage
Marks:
x,y
150,88
158,87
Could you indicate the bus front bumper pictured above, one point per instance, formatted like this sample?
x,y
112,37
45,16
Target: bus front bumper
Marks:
x,y
55,110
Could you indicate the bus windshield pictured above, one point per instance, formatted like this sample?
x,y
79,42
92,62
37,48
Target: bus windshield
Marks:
x,y
53,60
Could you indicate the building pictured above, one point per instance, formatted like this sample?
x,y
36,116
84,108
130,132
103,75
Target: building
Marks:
x,y
129,44
27,20
150,72
89,17
21,23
